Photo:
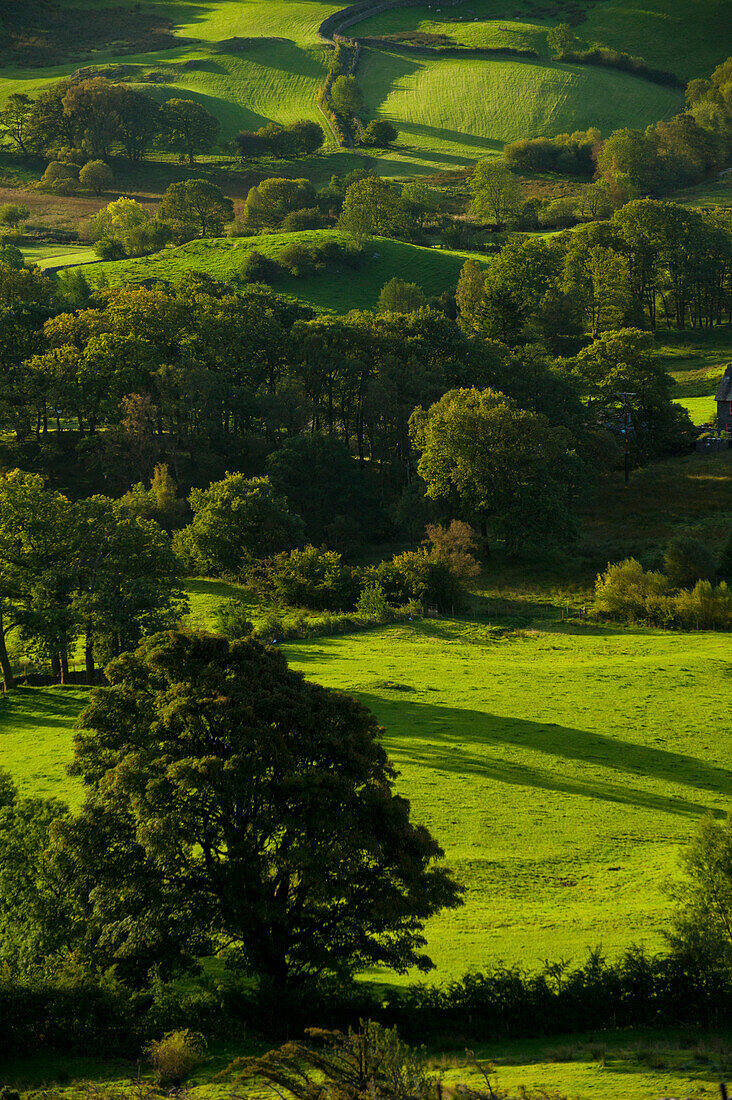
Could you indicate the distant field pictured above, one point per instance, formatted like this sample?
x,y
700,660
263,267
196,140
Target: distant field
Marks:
x,y
696,359
57,255
456,110
561,770
689,37
435,270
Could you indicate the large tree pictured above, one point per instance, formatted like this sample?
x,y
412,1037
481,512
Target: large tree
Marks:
x,y
233,808
500,464
190,128
196,206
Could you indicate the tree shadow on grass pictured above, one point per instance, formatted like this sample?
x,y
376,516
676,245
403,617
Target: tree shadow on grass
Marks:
x,y
29,707
463,742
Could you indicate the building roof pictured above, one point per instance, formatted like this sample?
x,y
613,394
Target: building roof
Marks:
x,y
724,391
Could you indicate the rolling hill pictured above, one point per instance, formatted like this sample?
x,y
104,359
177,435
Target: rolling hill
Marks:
x,y
434,270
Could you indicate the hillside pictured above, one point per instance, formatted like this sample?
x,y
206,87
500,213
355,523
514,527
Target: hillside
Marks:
x,y
434,270
252,62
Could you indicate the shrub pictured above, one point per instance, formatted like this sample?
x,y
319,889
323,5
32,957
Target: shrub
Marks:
x,y
96,176
420,577
399,297
258,268
623,589
373,603
379,133
175,1056
300,259
308,218
13,213
60,178
231,619
313,577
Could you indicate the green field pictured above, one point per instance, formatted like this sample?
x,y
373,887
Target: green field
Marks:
x,y
561,769
337,288
56,256
251,61
453,110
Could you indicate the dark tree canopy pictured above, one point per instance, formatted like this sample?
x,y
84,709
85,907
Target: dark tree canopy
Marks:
x,y
234,808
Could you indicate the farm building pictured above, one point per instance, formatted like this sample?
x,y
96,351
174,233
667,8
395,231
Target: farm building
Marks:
x,y
724,401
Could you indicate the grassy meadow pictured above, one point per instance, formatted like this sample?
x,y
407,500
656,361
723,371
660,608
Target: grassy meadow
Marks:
x,y
336,287
561,768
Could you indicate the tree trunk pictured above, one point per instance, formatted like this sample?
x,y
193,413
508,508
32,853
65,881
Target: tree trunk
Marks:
x,y
56,666
64,666
89,654
8,678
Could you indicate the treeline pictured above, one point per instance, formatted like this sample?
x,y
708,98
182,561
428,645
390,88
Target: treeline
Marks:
x,y
298,139
73,1011
90,118
651,262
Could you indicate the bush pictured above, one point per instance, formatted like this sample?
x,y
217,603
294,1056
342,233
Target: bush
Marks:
x,y
399,297
60,178
230,619
96,176
300,260
623,589
315,578
175,1056
373,603
379,133
258,268
417,576
308,218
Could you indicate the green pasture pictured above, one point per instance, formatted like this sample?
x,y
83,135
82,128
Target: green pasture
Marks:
x,y
453,110
696,360
57,255
561,768
688,37
337,288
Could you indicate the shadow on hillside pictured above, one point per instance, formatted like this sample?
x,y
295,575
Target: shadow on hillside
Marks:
x,y
459,137
461,741
27,707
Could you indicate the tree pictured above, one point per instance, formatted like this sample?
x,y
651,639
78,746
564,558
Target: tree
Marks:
x,y
321,482
190,128
116,223
269,202
13,213
687,560
196,205
500,464
216,833
15,119
376,204
399,297
129,579
623,361
561,39
234,521
380,133
140,122
93,108
38,543
702,921
347,96
35,914
496,191
96,176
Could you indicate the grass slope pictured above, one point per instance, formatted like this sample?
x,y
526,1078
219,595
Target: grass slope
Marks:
x,y
435,270
453,110
561,770
696,360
